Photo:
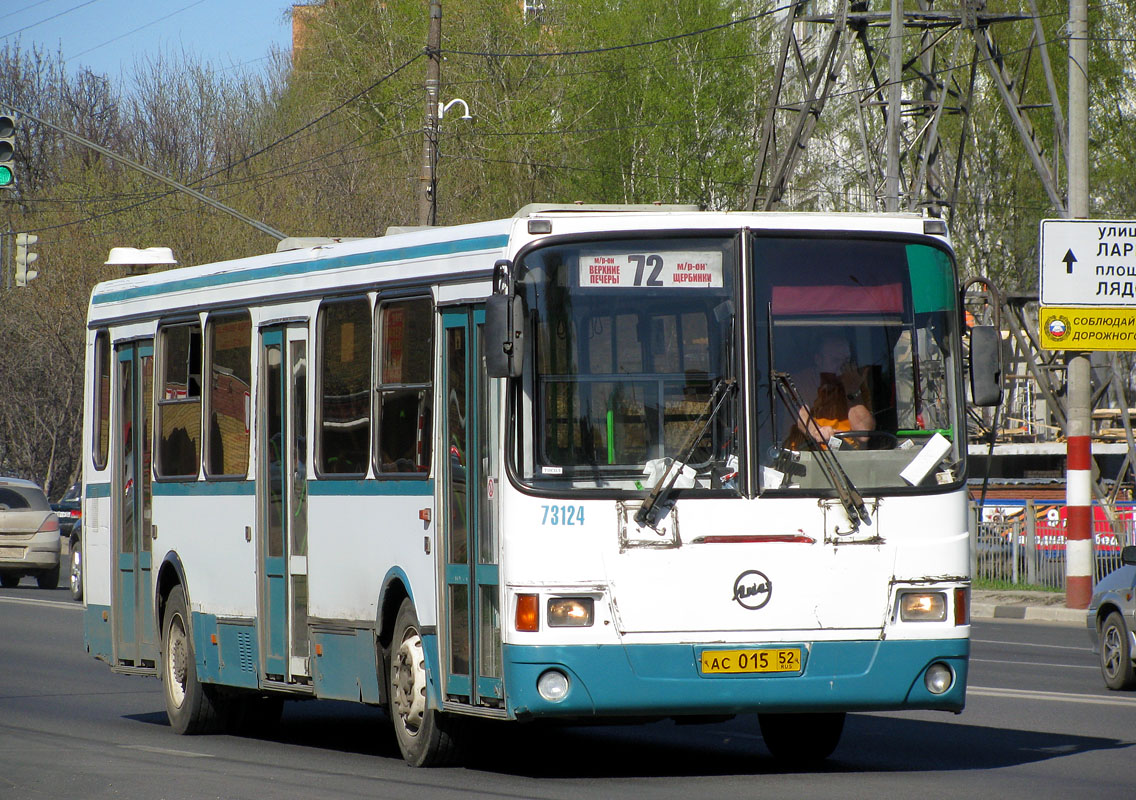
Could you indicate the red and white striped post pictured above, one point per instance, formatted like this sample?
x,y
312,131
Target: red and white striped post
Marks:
x,y
1079,480
1079,522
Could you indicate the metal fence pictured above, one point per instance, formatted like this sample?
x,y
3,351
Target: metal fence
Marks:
x,y
1017,552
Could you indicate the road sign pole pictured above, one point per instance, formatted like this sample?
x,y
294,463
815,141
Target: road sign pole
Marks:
x,y
1078,482
1078,486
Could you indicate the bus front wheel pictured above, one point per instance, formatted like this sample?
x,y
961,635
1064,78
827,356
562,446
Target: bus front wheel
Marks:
x,y
801,738
190,708
425,735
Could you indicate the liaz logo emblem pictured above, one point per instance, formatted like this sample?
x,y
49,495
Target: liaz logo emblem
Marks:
x,y
752,589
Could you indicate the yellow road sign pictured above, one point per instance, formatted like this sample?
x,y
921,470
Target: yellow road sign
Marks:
x,y
1080,328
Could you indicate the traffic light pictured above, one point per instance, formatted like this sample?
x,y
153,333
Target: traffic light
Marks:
x,y
25,258
7,151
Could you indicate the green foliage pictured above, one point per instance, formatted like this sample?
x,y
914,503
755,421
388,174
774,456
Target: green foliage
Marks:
x,y
616,101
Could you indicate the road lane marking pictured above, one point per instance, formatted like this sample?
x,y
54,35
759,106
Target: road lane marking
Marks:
x,y
31,601
1032,663
1032,644
1056,697
165,751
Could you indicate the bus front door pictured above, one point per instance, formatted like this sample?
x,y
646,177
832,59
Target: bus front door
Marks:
x,y
282,488
471,633
135,634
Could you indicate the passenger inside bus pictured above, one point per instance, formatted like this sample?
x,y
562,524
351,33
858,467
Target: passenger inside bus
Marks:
x,y
835,390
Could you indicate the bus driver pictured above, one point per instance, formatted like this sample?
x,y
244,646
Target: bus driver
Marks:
x,y
838,389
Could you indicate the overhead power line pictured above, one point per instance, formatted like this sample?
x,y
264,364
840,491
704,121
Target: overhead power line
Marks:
x,y
260,226
610,48
46,19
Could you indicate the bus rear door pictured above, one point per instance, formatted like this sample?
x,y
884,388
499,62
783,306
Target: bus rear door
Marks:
x,y
135,635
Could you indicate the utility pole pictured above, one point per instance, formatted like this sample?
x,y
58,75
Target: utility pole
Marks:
x,y
1078,432
427,196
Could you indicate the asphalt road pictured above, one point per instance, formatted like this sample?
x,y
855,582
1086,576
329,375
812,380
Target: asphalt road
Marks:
x,y
1039,723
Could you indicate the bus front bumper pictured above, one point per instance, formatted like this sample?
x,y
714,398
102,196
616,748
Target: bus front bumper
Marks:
x,y
667,680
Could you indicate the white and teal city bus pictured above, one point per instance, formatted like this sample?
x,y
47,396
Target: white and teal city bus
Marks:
x,y
548,467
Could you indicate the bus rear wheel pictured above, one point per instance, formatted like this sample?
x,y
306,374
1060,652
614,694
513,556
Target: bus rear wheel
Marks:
x,y
425,735
801,738
190,707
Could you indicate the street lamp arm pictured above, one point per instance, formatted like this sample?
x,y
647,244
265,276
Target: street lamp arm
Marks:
x,y
442,109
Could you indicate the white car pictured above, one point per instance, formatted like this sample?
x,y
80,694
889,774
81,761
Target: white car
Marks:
x,y
29,535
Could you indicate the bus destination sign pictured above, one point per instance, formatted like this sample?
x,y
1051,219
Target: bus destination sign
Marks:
x,y
669,269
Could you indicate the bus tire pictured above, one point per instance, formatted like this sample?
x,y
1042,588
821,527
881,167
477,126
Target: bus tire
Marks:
x,y
801,738
425,735
190,708
1116,654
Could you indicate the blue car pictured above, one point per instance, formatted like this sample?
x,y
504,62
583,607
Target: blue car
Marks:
x,y
1111,622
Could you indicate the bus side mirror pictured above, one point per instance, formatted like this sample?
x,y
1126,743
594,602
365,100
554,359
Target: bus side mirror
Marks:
x,y
504,326
985,365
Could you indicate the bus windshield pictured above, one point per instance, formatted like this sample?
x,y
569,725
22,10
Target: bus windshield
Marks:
x,y
632,337
865,330
633,340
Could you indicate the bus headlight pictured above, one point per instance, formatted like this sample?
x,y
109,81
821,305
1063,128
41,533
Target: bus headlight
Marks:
x,y
571,612
938,678
923,606
552,685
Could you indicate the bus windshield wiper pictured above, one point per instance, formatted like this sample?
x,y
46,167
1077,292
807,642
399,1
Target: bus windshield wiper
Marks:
x,y
849,495
653,509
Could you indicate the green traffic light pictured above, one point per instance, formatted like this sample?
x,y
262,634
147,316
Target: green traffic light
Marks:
x,y
7,177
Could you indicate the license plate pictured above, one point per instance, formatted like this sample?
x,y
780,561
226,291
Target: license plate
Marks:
x,y
11,552
784,659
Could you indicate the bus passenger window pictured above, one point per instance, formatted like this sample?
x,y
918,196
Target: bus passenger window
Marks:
x,y
179,401
405,390
229,343
101,438
344,425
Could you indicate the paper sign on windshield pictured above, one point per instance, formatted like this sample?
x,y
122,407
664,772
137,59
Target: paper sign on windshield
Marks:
x,y
672,269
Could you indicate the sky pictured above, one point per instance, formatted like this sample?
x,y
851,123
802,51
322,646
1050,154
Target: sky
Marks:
x,y
109,36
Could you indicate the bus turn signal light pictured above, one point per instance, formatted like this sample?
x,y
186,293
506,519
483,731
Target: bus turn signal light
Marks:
x,y
528,613
962,606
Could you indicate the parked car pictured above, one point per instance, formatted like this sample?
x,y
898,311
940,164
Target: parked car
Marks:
x,y
69,509
1111,621
75,559
29,535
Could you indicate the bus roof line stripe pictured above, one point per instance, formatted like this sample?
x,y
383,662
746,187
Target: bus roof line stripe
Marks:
x,y
305,267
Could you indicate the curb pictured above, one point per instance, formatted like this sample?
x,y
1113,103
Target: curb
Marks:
x,y
1058,614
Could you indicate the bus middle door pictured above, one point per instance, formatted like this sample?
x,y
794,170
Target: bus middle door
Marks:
x,y
282,489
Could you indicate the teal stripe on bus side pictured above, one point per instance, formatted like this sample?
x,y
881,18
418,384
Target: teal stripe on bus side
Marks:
x,y
385,488
203,488
305,268
97,490
324,488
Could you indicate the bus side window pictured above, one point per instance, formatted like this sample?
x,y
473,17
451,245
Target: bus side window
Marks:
x,y
405,387
344,424
179,401
100,441
229,361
